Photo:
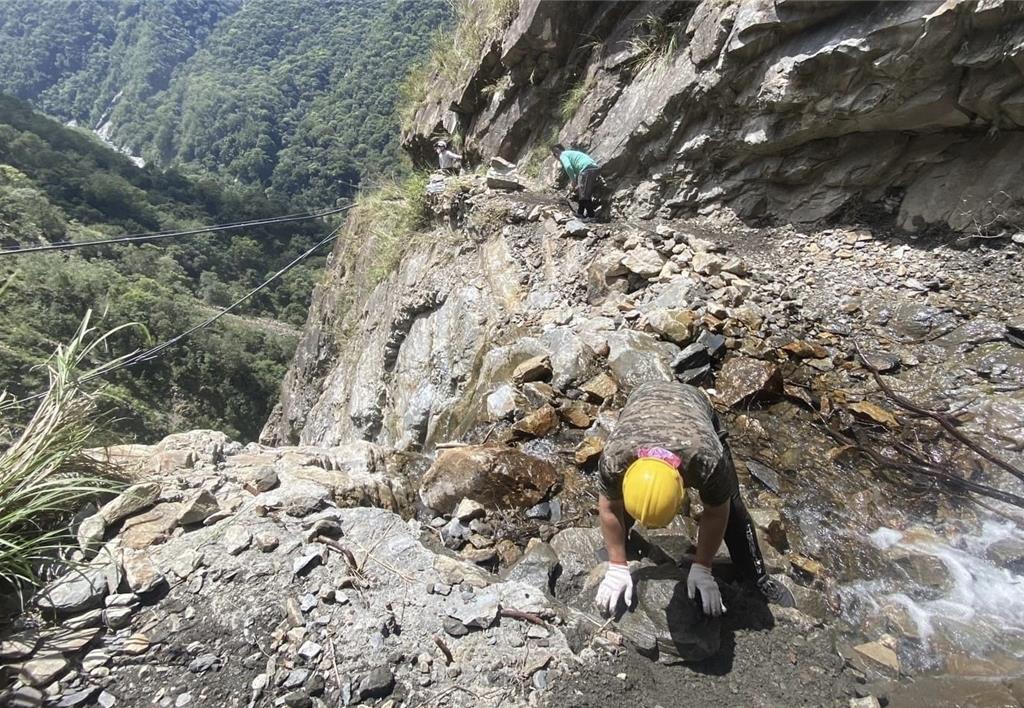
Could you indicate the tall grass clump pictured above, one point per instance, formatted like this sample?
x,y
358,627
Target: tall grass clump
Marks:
x,y
387,221
540,154
412,93
45,473
655,39
573,99
477,23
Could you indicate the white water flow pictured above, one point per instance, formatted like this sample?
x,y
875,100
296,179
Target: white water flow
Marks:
x,y
104,129
979,613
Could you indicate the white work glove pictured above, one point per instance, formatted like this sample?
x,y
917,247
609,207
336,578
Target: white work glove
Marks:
x,y
700,579
617,584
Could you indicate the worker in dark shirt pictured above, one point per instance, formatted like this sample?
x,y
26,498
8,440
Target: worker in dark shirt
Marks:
x,y
668,437
584,175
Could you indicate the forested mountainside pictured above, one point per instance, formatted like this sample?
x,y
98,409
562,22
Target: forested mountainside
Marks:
x,y
294,96
58,183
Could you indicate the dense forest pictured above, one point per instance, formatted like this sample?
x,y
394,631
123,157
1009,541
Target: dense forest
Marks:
x,y
59,184
241,110
294,96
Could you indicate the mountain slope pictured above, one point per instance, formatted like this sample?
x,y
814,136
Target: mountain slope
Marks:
x,y
73,58
294,96
58,183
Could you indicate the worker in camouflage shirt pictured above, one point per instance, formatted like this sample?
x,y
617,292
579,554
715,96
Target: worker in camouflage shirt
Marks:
x,y
668,437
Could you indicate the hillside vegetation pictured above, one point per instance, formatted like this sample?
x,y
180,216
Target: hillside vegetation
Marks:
x,y
57,183
294,96
454,53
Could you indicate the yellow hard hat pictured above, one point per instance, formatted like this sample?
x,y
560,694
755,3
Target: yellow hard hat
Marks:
x,y
652,492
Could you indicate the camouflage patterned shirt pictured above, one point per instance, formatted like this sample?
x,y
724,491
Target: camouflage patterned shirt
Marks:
x,y
680,419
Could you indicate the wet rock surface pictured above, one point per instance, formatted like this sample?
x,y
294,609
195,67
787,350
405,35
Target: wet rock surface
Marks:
x,y
744,380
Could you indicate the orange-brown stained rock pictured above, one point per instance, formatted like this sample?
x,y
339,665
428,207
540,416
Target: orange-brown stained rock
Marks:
x,y
589,449
600,388
537,368
866,409
805,350
578,414
537,424
497,477
742,379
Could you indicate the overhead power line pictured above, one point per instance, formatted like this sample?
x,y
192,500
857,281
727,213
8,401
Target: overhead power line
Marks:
x,y
154,351
158,235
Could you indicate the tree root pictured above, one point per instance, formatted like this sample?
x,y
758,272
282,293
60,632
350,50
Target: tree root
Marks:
x,y
942,419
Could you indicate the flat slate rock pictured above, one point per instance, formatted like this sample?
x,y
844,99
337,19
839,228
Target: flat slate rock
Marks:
x,y
78,590
665,625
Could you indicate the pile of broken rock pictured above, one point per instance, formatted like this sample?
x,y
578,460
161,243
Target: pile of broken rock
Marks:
x,y
227,574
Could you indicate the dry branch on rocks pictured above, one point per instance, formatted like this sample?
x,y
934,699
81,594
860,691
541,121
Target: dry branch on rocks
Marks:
x,y
948,424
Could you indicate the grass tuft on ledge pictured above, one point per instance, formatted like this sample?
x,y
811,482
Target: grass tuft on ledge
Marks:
x,y
45,472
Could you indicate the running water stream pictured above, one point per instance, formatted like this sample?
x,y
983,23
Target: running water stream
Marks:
x,y
971,623
937,578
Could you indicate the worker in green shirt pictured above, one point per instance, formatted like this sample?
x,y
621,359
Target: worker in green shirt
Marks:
x,y
584,175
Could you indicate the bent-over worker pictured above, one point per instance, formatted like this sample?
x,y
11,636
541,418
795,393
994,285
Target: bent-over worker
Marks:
x,y
668,436
584,175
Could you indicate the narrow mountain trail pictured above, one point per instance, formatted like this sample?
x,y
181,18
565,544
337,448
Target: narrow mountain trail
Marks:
x,y
313,574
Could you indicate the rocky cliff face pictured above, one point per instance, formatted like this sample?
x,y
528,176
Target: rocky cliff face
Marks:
x,y
787,110
525,329
408,363
795,111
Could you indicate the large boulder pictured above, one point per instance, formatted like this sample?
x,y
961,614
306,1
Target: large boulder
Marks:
x,y
665,624
493,475
572,360
579,551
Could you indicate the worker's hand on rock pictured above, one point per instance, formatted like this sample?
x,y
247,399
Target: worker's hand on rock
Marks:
x,y
700,580
617,584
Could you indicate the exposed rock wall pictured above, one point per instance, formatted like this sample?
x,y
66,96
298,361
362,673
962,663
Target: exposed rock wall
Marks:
x,y
408,362
777,109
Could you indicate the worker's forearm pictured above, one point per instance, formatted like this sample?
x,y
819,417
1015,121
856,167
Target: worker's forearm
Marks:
x,y
613,528
711,532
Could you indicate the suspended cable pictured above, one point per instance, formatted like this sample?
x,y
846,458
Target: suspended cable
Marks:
x,y
158,235
156,350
